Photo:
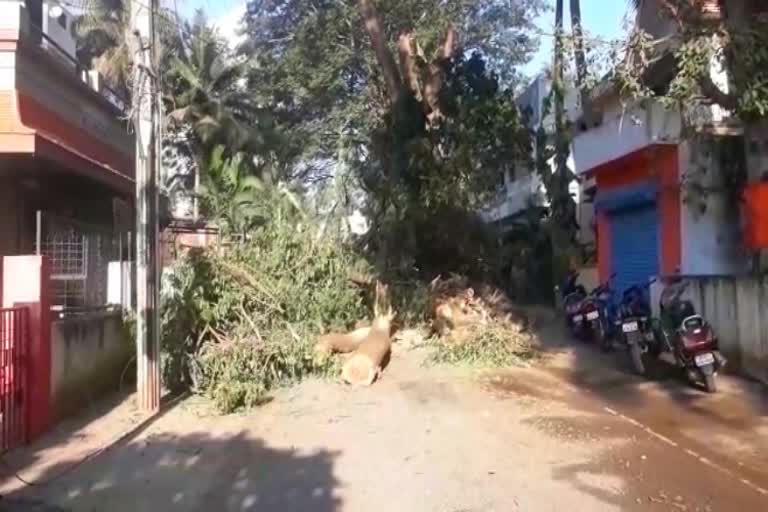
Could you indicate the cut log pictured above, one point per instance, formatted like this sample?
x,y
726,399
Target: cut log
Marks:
x,y
365,365
342,343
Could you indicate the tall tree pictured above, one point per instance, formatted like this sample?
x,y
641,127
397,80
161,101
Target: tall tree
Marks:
x,y
735,35
317,63
416,90
580,57
205,91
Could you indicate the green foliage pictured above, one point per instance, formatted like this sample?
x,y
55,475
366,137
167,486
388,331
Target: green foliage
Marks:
x,y
241,374
739,44
487,346
410,299
239,322
427,178
315,62
206,95
239,202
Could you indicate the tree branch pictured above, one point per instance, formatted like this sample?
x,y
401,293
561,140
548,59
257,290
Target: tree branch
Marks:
x,y
378,40
408,64
710,89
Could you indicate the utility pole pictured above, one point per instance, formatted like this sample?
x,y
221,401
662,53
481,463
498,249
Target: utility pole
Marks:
x,y
146,123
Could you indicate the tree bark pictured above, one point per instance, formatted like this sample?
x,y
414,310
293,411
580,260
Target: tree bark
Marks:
x,y
434,80
342,343
408,64
375,31
711,90
581,62
557,72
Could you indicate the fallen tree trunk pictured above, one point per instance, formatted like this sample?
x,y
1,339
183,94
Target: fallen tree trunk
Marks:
x,y
342,343
366,363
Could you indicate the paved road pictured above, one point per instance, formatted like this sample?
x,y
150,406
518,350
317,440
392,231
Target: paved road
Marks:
x,y
728,429
578,433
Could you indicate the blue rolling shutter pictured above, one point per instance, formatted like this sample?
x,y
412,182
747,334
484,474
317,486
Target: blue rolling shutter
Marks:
x,y
634,246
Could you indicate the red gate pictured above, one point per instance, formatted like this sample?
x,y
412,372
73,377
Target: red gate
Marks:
x,y
14,332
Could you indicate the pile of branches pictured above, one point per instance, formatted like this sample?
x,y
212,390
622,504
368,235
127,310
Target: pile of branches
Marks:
x,y
477,324
454,304
241,321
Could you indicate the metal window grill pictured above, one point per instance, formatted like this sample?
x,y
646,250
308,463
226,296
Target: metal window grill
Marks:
x,y
79,255
14,339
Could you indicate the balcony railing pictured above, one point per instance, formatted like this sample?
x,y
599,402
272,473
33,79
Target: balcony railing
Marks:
x,y
91,78
520,194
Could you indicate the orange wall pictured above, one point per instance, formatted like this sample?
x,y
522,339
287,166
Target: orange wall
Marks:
x,y
669,210
631,169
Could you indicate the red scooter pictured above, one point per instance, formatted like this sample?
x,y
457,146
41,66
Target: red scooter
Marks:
x,y
690,338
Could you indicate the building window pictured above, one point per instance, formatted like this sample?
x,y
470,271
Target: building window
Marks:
x,y
67,250
80,255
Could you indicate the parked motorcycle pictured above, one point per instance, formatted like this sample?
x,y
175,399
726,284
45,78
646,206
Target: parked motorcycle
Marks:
x,y
637,328
690,338
573,295
598,313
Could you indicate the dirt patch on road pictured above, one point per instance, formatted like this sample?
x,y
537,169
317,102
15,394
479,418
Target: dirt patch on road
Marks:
x,y
585,428
524,384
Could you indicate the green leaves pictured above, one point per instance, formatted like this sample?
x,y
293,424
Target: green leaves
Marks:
x,y
242,320
738,45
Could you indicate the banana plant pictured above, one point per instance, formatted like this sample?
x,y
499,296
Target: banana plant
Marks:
x,y
238,201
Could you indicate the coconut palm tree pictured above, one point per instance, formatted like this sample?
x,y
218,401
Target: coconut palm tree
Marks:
x,y
205,90
206,99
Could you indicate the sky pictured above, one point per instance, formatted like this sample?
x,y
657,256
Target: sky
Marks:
x,y
601,18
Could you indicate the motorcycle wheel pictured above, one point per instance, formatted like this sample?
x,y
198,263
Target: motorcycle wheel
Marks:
x,y
601,337
710,383
637,358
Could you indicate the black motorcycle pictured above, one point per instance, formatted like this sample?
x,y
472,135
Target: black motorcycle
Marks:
x,y
573,295
637,329
598,313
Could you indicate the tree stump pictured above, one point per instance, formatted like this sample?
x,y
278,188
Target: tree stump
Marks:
x,y
365,365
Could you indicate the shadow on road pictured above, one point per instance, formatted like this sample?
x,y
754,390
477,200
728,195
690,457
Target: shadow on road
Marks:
x,y
729,427
740,404
192,472
186,472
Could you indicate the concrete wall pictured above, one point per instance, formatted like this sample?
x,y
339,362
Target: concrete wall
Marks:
x,y
736,308
624,131
757,151
89,355
710,229
588,277
652,19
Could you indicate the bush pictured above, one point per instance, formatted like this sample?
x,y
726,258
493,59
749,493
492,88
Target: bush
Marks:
x,y
241,321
